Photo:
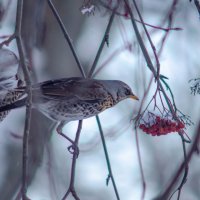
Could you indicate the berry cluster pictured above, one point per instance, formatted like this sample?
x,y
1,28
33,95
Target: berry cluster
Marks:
x,y
162,126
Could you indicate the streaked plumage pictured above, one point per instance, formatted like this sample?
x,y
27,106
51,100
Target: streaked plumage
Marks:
x,y
9,98
74,98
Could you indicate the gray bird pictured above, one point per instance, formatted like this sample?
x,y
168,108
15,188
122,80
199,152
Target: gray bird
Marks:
x,y
70,99
75,98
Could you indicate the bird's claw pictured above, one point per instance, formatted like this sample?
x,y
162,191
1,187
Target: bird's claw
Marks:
x,y
73,149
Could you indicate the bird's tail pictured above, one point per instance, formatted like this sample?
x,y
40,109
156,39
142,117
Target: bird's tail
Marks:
x,y
16,104
10,101
11,89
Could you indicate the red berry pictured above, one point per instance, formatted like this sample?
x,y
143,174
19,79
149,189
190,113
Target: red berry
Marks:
x,y
181,125
173,129
173,124
157,119
167,129
142,126
153,133
161,126
145,129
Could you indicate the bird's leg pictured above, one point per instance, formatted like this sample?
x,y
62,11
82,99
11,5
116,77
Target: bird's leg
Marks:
x,y
73,148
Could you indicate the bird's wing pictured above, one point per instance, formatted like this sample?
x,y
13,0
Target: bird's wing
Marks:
x,y
72,88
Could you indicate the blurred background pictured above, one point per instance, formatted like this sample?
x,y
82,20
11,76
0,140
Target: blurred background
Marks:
x,y
49,57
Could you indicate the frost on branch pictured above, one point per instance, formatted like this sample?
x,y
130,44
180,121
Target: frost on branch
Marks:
x,y
195,86
87,9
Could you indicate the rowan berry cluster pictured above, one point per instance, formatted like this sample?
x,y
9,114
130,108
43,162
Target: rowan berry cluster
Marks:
x,y
161,126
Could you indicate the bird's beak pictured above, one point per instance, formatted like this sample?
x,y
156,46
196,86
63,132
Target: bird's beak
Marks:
x,y
134,97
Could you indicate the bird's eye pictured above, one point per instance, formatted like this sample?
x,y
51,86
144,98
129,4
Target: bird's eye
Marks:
x,y
127,92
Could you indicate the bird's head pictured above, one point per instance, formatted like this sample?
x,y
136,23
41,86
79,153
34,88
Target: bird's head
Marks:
x,y
121,91
124,92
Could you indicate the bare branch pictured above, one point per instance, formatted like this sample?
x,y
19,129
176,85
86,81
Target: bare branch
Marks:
x,y
71,188
29,98
175,178
66,35
106,35
110,175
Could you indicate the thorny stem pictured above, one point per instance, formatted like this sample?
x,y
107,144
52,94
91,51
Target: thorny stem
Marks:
x,y
106,35
73,167
66,35
29,98
151,67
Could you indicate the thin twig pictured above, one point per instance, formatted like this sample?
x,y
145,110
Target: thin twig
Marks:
x,y
83,74
170,22
71,188
151,67
167,191
147,24
137,139
140,41
110,175
7,41
66,35
184,179
106,35
109,59
51,179
149,38
140,164
4,10
29,98
149,62
197,4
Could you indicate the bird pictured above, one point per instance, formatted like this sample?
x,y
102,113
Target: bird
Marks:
x,y
70,99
